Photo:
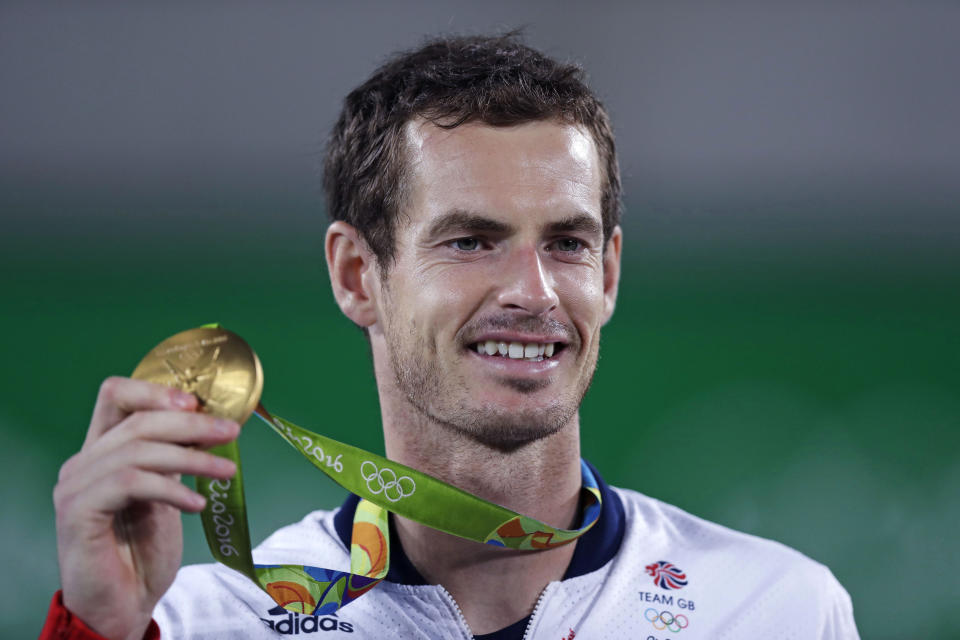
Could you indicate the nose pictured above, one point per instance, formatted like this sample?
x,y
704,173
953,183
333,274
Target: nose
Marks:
x,y
526,285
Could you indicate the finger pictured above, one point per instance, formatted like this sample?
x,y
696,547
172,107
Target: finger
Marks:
x,y
128,445
119,490
119,397
180,427
90,466
157,457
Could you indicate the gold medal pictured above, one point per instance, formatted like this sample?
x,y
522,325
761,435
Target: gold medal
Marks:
x,y
214,364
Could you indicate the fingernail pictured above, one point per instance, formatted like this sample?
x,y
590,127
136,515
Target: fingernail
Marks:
x,y
183,400
225,426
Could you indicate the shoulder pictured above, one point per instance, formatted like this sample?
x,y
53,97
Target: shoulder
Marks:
x,y
679,562
665,526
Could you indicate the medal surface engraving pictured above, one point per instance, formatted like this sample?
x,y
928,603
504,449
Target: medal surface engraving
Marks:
x,y
215,365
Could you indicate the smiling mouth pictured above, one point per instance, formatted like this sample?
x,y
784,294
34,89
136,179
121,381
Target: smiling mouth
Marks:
x,y
529,351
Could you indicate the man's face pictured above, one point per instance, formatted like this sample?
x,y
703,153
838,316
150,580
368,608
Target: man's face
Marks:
x,y
491,313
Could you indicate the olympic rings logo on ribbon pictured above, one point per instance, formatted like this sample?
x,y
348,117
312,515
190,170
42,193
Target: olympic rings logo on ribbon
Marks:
x,y
666,620
386,480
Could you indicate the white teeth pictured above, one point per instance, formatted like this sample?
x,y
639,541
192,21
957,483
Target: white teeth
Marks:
x,y
534,351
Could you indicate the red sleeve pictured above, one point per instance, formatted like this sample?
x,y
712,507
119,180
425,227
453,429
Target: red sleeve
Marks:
x,y
63,625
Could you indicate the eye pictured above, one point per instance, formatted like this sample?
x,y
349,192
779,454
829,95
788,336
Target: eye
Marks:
x,y
569,245
466,244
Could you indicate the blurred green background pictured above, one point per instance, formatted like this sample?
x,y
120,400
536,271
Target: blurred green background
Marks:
x,y
785,355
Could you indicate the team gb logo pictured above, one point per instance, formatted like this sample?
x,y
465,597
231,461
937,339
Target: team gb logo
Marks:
x,y
667,575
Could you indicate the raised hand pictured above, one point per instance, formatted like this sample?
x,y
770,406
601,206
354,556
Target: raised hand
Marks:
x,y
118,501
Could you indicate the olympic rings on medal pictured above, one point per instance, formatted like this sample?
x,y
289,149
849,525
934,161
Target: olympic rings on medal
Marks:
x,y
386,480
666,620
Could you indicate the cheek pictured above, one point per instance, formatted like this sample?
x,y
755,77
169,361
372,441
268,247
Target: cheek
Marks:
x,y
584,306
441,302
583,292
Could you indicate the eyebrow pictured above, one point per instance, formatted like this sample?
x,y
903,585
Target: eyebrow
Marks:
x,y
462,221
579,223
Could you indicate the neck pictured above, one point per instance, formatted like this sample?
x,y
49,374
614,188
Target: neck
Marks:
x,y
540,479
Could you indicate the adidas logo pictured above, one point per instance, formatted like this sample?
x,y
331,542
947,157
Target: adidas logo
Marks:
x,y
294,624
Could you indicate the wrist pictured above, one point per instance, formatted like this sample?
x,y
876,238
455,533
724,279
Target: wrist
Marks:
x,y
63,624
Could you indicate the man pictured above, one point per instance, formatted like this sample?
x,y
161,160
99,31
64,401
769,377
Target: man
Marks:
x,y
475,195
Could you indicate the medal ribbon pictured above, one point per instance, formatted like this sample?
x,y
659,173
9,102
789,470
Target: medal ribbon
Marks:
x,y
383,486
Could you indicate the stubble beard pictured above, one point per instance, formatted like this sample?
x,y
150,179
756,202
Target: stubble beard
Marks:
x,y
443,398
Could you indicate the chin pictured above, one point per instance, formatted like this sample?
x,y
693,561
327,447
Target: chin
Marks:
x,y
525,385
509,430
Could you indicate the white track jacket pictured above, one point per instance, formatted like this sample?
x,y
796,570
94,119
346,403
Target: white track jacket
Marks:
x,y
647,570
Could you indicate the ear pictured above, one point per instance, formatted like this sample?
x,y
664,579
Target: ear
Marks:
x,y
353,273
611,272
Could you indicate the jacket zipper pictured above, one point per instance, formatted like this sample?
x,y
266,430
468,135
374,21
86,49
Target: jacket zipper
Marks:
x,y
466,627
456,607
536,610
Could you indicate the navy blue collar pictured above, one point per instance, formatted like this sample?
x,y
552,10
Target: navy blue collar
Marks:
x,y
594,549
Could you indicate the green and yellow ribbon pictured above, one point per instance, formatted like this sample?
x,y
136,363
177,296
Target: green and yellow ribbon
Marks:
x,y
384,486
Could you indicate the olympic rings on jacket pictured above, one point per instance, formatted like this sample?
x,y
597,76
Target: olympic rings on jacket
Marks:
x,y
666,620
386,480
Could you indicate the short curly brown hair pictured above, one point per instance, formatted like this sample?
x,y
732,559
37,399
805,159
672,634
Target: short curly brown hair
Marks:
x,y
450,81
